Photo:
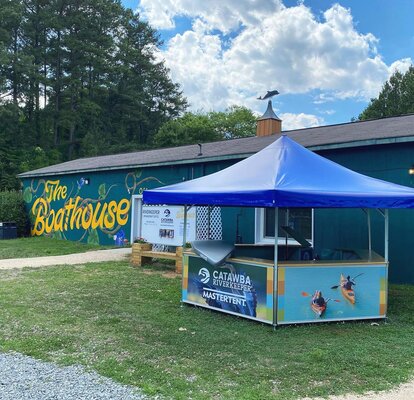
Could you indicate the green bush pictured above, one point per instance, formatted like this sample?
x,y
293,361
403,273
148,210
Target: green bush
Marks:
x,y
12,210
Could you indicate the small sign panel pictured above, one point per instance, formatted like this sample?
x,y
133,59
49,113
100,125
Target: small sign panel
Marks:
x,y
165,224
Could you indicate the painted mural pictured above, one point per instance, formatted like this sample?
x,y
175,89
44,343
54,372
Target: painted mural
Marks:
x,y
84,209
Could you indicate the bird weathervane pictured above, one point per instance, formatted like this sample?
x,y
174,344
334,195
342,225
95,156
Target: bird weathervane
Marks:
x,y
268,95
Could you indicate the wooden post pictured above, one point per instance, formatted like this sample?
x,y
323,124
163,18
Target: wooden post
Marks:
x,y
179,260
137,260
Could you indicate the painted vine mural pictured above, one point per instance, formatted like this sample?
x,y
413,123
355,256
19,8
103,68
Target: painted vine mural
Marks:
x,y
57,212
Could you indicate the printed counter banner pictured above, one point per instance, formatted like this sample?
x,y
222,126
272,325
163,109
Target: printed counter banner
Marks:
x,y
349,292
236,288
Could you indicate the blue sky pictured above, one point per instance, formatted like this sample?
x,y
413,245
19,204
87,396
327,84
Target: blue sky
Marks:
x,y
327,59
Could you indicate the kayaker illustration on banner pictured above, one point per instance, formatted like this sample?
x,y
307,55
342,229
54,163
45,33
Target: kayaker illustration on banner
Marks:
x,y
346,289
309,296
318,303
346,285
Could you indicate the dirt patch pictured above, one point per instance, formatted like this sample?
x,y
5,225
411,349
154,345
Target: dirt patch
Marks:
x,y
170,275
164,274
10,275
402,392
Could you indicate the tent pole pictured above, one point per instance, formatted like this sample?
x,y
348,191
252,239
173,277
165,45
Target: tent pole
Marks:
x,y
184,242
209,222
369,234
185,226
275,268
386,221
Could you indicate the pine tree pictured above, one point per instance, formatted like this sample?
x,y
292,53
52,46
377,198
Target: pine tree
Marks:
x,y
144,97
78,77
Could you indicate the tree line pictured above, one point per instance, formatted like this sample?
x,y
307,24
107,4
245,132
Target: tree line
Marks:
x,y
395,98
78,78
82,78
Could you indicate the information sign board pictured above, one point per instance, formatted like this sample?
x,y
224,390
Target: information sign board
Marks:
x,y
165,224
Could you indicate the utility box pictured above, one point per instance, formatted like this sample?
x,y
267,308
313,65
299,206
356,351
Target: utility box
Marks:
x,y
8,230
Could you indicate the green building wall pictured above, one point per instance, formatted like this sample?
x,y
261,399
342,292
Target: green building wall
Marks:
x,y
334,228
347,228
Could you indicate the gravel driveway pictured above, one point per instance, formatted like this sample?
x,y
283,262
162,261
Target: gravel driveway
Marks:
x,y
24,378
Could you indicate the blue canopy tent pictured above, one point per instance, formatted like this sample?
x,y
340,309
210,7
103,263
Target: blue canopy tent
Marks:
x,y
285,174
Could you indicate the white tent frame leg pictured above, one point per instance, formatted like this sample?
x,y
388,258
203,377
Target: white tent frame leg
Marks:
x,y
385,214
275,267
367,211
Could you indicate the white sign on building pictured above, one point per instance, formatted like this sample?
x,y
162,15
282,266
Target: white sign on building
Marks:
x,y
165,224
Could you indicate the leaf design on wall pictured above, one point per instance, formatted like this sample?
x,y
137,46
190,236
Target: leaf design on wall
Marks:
x,y
56,235
27,195
93,237
36,189
131,182
102,190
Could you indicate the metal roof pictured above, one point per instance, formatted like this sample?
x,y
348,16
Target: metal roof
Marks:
x,y
352,134
269,113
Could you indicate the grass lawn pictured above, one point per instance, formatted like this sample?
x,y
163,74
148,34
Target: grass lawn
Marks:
x,y
42,246
125,323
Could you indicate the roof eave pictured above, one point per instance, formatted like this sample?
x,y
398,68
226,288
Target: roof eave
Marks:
x,y
361,143
328,146
25,175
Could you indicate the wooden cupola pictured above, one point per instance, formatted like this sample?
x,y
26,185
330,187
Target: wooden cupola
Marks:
x,y
269,123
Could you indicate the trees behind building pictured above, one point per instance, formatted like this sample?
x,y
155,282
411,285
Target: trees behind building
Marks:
x,y
77,78
395,98
233,123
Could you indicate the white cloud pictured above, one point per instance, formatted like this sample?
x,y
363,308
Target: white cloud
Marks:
x,y
238,49
225,16
160,14
328,112
298,121
400,65
326,97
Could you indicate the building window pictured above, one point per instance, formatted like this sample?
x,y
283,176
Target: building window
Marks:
x,y
298,219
